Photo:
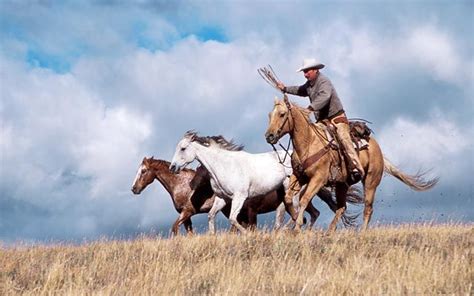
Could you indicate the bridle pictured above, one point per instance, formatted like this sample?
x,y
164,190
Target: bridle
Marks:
x,y
278,132
306,161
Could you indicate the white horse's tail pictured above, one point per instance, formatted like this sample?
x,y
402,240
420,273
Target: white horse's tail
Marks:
x,y
415,182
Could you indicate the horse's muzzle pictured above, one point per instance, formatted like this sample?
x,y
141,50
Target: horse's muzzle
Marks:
x,y
135,190
174,168
271,138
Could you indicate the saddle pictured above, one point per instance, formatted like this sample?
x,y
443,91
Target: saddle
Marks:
x,y
360,135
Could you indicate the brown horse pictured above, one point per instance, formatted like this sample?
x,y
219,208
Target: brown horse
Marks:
x,y
192,194
318,160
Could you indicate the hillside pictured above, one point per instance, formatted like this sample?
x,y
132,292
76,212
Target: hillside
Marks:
x,y
411,259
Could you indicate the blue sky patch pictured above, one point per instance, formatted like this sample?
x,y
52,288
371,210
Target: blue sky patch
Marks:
x,y
39,59
211,33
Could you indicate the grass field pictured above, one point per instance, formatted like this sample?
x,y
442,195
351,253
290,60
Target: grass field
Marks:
x,y
402,260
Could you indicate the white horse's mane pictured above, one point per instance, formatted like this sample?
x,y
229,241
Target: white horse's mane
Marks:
x,y
217,141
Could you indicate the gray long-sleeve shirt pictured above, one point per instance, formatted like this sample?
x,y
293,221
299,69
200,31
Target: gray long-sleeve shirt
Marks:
x,y
321,93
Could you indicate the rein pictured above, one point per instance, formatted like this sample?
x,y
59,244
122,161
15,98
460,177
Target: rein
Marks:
x,y
282,162
320,153
288,105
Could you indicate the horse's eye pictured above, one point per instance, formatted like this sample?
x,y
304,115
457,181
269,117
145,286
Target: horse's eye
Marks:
x,y
143,171
183,148
282,114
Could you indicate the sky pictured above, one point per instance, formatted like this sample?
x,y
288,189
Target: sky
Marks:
x,y
89,88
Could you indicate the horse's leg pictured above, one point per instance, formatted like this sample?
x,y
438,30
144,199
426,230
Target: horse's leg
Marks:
x,y
326,196
218,204
188,225
371,182
314,213
252,215
294,188
237,203
279,216
369,194
175,227
183,216
373,176
313,186
341,192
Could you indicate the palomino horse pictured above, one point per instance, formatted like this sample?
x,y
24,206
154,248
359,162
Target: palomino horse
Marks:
x,y
191,194
317,158
235,174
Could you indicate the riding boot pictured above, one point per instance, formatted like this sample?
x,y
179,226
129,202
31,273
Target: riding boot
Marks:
x,y
354,177
356,172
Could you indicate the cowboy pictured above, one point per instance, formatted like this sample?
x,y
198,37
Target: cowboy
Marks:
x,y
326,104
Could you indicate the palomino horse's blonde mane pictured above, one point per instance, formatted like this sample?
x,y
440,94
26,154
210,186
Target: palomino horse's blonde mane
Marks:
x,y
318,128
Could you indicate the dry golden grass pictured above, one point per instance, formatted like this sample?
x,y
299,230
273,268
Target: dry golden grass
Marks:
x,y
386,260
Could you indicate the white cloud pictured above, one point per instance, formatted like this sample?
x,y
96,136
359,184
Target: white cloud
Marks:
x,y
61,146
435,50
438,144
92,126
109,147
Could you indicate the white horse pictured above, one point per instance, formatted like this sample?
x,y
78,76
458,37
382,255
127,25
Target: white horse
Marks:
x,y
235,174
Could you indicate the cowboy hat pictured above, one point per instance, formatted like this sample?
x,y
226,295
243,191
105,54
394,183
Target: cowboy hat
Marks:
x,y
310,64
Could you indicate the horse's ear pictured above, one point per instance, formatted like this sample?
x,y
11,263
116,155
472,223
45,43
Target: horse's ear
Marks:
x,y
276,100
152,158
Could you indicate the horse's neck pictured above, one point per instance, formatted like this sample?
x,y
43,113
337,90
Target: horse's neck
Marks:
x,y
303,136
165,177
209,157
212,160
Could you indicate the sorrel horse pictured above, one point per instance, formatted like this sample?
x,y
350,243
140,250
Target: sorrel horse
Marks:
x,y
191,194
187,200
314,151
235,174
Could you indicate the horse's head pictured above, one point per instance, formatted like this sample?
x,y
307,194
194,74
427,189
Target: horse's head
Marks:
x,y
279,121
185,153
144,176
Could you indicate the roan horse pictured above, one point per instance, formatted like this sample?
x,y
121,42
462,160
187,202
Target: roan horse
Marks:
x,y
192,194
187,201
235,174
315,152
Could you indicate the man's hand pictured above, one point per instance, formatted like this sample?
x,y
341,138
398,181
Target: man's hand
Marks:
x,y
281,86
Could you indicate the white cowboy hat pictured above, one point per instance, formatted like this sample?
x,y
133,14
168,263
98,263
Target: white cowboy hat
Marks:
x,y
309,64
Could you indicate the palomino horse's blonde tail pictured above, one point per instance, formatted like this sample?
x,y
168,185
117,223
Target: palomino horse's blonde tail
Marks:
x,y
416,182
